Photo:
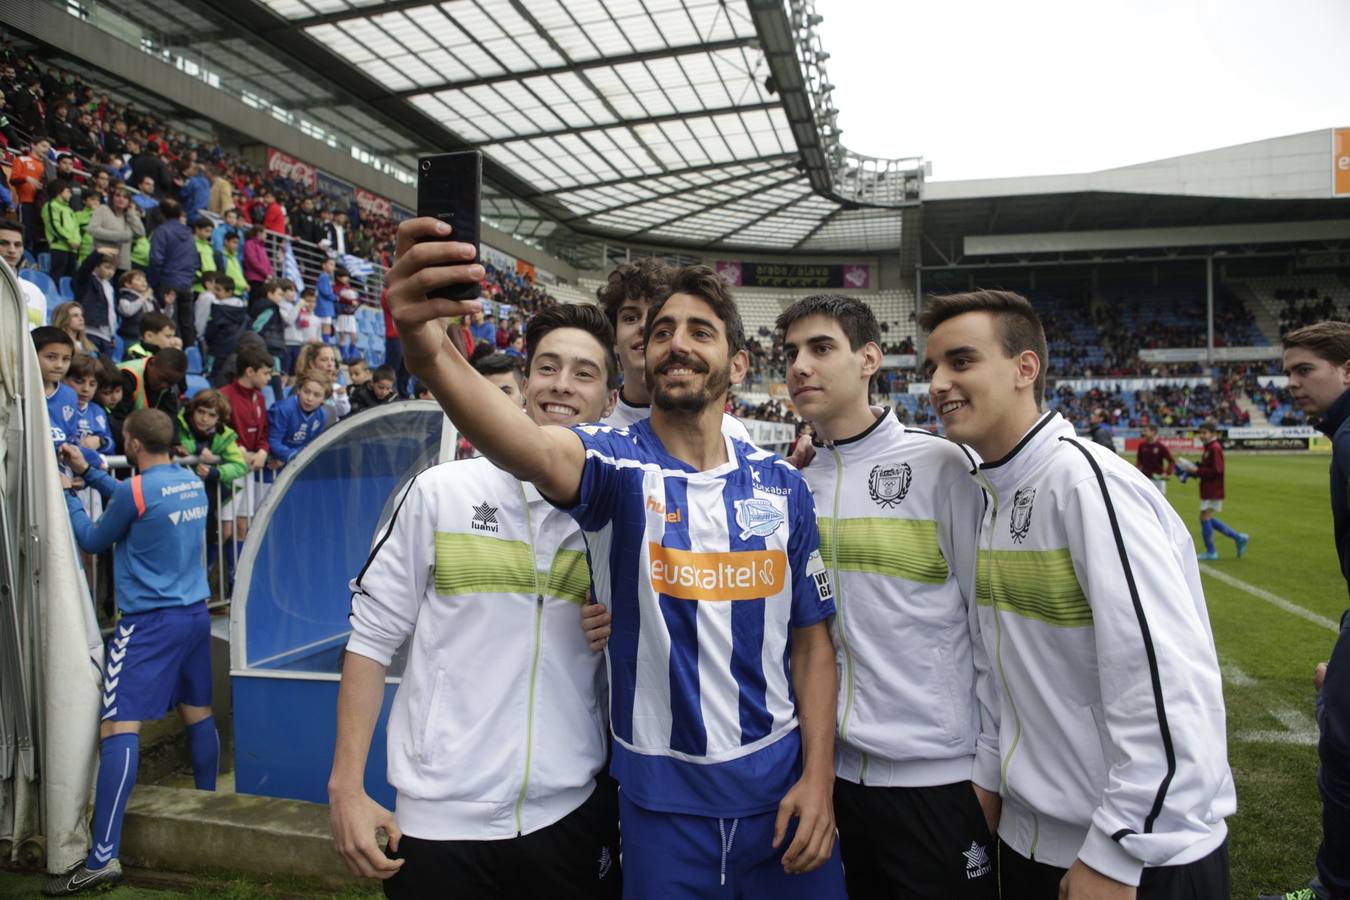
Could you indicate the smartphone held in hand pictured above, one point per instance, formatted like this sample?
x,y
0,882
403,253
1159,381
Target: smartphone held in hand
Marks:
x,y
449,188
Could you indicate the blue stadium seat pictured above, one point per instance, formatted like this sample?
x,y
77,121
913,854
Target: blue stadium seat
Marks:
x,y
269,396
44,281
194,357
65,290
44,261
196,383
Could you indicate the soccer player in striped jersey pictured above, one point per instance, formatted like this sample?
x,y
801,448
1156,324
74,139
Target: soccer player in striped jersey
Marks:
x,y
1099,679
897,513
705,549
625,297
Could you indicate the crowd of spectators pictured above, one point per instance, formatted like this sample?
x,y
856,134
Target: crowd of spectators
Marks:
x,y
1302,306
1166,406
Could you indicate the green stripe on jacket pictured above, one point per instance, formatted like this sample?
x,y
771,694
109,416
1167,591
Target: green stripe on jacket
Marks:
x,y
1037,584
476,564
897,548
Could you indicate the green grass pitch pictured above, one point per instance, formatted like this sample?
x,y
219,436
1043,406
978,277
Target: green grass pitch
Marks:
x,y
1268,654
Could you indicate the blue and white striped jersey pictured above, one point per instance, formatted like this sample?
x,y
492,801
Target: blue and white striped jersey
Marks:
x,y
706,574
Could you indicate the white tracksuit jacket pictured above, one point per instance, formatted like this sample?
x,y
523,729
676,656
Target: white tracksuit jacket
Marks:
x,y
497,728
1099,673
898,517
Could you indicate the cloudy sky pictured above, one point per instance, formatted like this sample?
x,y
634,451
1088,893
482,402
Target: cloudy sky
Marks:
x,y
988,89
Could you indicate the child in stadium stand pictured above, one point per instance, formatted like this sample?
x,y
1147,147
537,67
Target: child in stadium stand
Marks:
x,y
156,331
293,423
204,432
1102,724
376,391
91,420
911,823
496,744
55,350
1154,459
159,655
325,299
1210,471
722,713
348,300
1317,361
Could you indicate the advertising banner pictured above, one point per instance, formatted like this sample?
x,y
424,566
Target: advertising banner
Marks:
x,y
1197,354
1340,162
292,168
793,275
525,270
373,204
336,188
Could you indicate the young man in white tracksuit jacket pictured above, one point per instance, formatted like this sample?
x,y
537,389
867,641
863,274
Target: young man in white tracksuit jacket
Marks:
x,y
497,732
897,516
1099,673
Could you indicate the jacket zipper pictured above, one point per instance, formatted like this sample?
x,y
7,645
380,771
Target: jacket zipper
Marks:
x,y
839,606
998,657
534,667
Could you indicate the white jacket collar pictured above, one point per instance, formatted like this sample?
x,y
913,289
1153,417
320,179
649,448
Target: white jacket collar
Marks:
x,y
1012,468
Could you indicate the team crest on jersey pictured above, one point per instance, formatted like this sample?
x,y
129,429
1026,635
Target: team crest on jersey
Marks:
x,y
1020,523
758,517
889,484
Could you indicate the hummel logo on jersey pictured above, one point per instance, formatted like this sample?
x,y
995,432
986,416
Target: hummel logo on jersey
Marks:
x,y
758,517
977,861
888,485
660,510
1020,521
484,518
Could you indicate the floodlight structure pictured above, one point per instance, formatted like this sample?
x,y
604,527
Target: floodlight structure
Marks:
x,y
792,46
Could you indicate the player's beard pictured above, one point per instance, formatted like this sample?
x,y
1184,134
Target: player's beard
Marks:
x,y
715,386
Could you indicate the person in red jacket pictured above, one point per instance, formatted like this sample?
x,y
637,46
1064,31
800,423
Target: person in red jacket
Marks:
x,y
1154,459
248,417
1210,474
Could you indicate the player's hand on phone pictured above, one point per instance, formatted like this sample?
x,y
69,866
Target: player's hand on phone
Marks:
x,y
354,819
595,624
428,258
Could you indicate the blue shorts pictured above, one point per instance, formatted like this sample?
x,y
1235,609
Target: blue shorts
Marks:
x,y
156,660
683,857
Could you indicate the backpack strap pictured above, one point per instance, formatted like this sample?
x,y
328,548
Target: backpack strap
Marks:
x,y
138,495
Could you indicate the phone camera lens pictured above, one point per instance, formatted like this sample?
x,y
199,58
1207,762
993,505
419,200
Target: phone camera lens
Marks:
x,y
426,165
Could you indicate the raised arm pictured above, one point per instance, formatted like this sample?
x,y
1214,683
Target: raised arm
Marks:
x,y
549,456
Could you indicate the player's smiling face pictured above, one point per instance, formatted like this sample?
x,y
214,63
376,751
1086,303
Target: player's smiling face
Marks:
x,y
976,389
689,362
823,373
568,381
1314,382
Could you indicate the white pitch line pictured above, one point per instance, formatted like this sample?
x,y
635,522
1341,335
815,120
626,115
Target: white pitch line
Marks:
x,y
1273,599
1299,729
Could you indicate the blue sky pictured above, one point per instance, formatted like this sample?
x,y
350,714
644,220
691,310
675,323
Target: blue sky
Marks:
x,y
988,89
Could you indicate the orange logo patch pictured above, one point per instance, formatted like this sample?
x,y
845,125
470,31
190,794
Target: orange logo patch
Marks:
x,y
740,575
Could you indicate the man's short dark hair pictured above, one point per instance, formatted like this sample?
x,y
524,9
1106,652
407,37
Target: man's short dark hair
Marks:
x,y
500,364
590,319
1325,340
108,375
153,428
383,373
46,335
855,317
1020,326
703,282
647,278
203,222
252,358
171,208
171,360
56,186
155,321
10,225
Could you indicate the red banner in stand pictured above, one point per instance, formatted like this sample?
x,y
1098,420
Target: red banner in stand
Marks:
x,y
292,168
373,204
525,270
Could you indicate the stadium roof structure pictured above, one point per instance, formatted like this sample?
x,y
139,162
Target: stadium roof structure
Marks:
x,y
702,124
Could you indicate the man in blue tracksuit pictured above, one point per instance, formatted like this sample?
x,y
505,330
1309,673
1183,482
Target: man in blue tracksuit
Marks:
x,y
1317,360
159,655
